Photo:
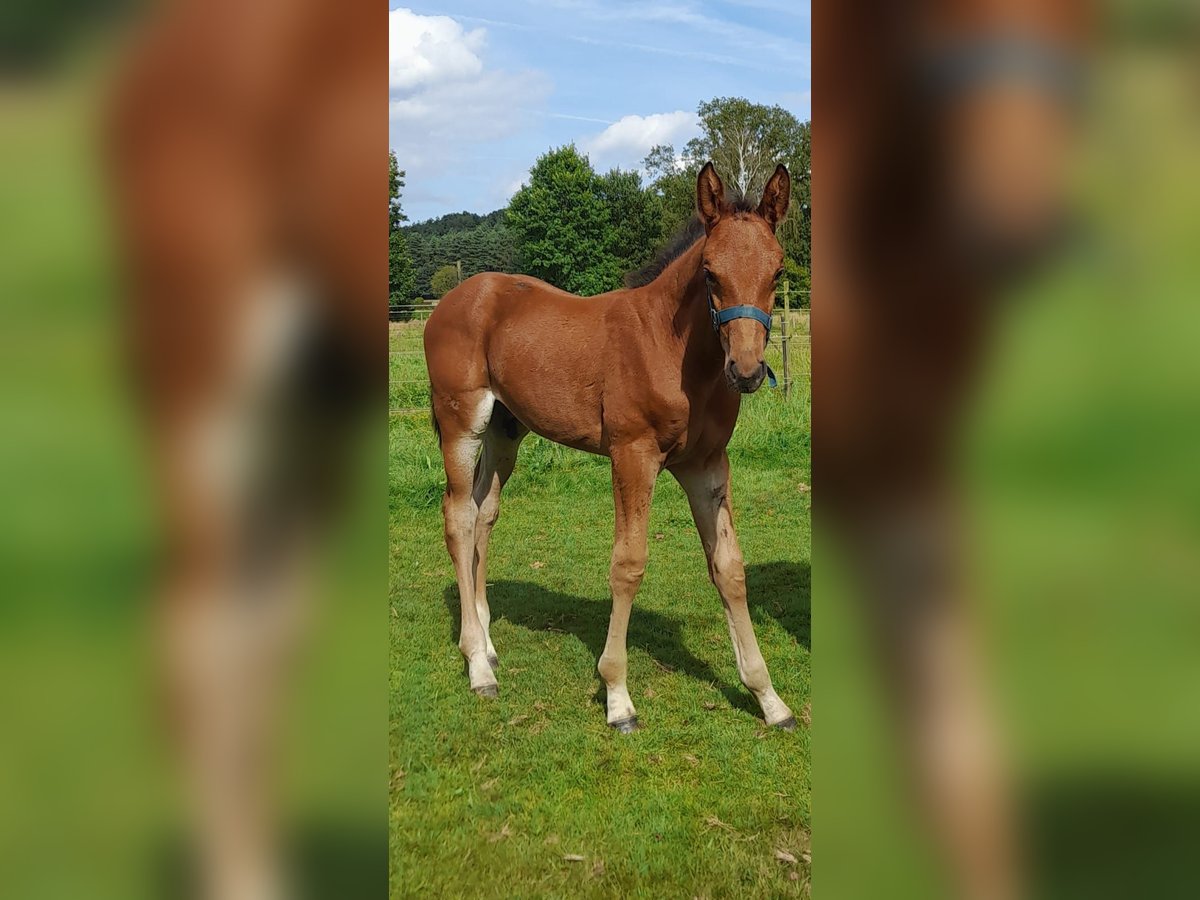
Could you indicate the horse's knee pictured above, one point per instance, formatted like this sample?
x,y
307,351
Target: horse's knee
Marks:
x,y
627,570
728,572
459,514
489,514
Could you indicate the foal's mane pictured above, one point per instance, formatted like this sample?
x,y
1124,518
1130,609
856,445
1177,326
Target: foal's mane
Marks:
x,y
681,242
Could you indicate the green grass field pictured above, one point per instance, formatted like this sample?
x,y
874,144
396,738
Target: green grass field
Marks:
x,y
532,794
90,800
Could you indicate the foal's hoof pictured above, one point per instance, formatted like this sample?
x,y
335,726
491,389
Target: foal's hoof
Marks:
x,y
488,690
494,661
626,726
788,724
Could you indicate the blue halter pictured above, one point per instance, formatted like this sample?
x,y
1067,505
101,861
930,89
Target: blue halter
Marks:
x,y
721,316
1005,56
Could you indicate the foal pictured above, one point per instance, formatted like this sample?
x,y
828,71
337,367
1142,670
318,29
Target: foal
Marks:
x,y
650,377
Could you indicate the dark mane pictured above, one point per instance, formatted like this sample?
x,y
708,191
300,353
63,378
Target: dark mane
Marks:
x,y
679,243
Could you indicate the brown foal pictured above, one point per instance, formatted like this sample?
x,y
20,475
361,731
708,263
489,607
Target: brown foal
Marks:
x,y
641,376
244,142
940,158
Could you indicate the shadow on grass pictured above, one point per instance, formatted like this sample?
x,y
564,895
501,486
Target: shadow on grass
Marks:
x,y
327,858
782,590
779,590
1108,835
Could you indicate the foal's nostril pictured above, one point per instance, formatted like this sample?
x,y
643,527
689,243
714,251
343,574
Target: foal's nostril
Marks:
x,y
746,381
745,374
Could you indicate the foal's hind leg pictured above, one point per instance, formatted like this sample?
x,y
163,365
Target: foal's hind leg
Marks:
x,y
463,420
500,443
707,488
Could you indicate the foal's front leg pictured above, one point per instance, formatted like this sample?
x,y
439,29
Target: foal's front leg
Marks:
x,y
707,488
634,471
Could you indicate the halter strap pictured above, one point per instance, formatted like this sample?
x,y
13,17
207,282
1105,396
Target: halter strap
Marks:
x,y
721,316
959,68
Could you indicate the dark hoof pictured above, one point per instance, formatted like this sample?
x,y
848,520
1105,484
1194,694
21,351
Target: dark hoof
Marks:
x,y
494,662
488,690
788,724
626,726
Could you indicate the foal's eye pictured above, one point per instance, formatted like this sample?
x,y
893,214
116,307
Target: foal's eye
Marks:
x,y
779,274
709,277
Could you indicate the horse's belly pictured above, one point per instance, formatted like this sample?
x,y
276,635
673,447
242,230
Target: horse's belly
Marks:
x,y
555,414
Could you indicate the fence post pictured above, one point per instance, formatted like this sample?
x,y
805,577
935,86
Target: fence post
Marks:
x,y
784,339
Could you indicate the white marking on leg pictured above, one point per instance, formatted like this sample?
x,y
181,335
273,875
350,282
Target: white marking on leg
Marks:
x,y
484,414
707,492
461,512
466,451
227,637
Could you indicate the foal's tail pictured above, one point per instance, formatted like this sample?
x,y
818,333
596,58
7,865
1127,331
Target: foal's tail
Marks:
x,y
437,429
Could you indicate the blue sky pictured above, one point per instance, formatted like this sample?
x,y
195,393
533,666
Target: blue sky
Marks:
x,y
478,89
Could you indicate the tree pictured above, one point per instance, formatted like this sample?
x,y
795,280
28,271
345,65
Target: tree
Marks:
x,y
798,282
745,141
396,215
402,278
634,218
562,225
483,243
673,182
444,280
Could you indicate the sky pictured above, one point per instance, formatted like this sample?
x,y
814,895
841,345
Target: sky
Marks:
x,y
478,89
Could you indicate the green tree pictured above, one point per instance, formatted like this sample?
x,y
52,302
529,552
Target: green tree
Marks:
x,y
402,277
745,140
634,219
483,243
444,280
673,183
798,282
562,225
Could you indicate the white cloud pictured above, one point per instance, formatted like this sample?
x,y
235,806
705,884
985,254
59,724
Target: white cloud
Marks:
x,y
515,185
630,138
443,98
426,50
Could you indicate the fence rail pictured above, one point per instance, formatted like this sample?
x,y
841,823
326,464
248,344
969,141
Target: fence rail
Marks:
x,y
408,385
407,312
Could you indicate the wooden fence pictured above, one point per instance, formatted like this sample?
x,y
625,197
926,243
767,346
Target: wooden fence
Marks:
x,y
408,384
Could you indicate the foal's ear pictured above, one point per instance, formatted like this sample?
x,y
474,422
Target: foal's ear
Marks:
x,y
710,196
774,204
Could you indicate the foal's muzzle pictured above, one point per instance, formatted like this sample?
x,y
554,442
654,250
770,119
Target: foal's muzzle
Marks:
x,y
745,383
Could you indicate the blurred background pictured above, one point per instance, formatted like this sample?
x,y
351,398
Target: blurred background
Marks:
x,y
91,802
1075,467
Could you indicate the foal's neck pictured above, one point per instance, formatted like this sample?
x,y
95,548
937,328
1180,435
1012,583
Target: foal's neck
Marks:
x,y
682,291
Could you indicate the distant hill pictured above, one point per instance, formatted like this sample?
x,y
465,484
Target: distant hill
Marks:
x,y
459,221
481,242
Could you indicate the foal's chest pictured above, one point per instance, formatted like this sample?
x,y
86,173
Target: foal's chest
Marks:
x,y
700,425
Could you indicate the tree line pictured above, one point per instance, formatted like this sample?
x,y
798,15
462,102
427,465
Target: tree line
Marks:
x,y
582,231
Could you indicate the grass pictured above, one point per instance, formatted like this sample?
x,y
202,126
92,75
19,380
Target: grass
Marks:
x,y
499,798
91,794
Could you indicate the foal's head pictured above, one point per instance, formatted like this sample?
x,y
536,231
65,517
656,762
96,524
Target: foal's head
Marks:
x,y
742,263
